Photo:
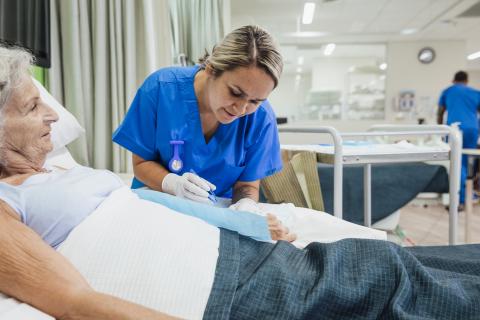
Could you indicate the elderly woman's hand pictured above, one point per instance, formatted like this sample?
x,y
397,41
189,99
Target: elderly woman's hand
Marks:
x,y
278,231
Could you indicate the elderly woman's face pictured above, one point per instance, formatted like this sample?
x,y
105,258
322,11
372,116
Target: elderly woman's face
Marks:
x,y
26,121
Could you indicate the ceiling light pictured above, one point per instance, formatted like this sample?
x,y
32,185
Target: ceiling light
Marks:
x,y
474,56
300,60
383,66
308,11
329,49
409,31
299,70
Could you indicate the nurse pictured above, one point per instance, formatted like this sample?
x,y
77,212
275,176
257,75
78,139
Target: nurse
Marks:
x,y
462,104
209,128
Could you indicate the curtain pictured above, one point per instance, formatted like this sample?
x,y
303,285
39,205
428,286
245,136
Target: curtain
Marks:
x,y
197,25
25,23
102,50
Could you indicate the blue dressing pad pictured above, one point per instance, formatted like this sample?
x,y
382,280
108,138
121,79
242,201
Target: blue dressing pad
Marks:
x,y
245,223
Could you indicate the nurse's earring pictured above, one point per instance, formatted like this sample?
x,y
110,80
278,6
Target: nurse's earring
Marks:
x,y
176,164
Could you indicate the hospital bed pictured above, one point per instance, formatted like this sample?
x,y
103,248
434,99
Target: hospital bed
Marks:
x,y
12,309
340,154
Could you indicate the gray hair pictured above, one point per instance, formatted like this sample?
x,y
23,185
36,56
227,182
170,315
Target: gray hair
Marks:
x,y
14,64
244,47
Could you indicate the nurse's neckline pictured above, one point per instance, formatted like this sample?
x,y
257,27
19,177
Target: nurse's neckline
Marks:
x,y
205,114
199,82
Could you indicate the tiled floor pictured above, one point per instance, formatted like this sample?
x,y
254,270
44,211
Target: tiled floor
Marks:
x,y
429,225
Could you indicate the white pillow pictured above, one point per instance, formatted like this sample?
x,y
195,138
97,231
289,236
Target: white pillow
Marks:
x,y
67,128
60,158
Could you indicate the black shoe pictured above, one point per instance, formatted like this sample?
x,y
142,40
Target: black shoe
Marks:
x,y
461,207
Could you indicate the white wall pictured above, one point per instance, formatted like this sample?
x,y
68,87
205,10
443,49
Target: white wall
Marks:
x,y
474,78
405,72
473,45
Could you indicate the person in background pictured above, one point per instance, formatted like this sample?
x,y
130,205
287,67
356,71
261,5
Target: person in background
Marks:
x,y
209,127
462,104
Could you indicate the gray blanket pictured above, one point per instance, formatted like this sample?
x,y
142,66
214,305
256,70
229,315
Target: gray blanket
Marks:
x,y
352,278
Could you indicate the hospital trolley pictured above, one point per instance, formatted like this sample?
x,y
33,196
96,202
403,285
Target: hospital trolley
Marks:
x,y
339,155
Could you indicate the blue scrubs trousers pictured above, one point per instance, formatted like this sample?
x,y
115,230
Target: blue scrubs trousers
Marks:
x,y
470,136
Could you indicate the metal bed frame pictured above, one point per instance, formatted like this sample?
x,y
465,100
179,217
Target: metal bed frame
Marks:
x,y
338,160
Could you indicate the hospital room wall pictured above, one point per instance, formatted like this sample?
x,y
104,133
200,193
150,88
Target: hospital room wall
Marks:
x,y
404,72
474,78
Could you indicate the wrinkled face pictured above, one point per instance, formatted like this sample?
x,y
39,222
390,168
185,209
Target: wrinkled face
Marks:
x,y
238,92
26,121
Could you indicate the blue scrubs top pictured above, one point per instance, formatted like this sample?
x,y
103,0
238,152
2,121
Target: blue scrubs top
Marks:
x,y
165,108
462,104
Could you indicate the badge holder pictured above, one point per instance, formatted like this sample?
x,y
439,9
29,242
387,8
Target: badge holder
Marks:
x,y
176,164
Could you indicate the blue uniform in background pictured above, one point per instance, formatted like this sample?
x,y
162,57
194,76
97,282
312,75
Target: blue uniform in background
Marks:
x,y
462,104
165,108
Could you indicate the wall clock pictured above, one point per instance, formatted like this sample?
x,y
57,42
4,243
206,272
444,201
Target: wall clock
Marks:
x,y
426,55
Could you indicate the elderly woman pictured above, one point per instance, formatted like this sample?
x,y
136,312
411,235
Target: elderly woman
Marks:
x,y
141,252
30,269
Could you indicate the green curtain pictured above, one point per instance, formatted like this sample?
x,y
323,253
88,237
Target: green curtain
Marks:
x,y
197,25
39,74
101,52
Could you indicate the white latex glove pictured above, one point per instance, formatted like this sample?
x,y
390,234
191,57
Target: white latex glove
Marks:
x,y
189,186
247,204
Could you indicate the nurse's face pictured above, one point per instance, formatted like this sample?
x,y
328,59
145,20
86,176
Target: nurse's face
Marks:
x,y
238,92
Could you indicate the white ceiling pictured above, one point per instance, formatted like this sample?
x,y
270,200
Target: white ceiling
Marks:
x,y
360,21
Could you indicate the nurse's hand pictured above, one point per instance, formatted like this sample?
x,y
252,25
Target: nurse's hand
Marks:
x,y
188,185
247,204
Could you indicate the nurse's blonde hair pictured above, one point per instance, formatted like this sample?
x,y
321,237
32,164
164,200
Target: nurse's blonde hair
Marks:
x,y
14,64
245,47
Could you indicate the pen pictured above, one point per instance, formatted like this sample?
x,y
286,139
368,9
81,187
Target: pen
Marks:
x,y
211,194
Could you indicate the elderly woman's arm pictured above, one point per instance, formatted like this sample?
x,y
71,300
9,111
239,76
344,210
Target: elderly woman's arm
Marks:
x,y
33,272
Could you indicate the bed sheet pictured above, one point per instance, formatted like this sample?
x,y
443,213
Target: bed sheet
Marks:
x,y
12,309
369,148
315,226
